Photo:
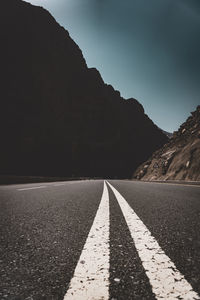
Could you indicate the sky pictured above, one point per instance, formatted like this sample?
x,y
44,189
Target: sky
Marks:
x,y
147,49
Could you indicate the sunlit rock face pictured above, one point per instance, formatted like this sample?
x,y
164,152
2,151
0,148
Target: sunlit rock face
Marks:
x,y
179,159
57,116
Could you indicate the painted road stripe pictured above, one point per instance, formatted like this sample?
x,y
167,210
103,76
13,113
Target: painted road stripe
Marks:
x,y
167,282
32,188
91,276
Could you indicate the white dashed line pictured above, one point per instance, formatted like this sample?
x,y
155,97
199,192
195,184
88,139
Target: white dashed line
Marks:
x,y
91,276
32,188
167,282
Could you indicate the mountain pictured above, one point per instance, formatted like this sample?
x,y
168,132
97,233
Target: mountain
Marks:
x,y
58,117
179,159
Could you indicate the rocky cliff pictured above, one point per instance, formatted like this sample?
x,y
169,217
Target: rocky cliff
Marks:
x,y
179,159
57,116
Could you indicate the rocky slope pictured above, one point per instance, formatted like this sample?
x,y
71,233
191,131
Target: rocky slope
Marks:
x,y
57,116
179,159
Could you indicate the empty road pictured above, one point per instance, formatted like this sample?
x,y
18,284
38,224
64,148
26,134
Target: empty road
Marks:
x,y
96,239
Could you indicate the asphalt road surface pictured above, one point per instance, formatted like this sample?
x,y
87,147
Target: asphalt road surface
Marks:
x,y
95,239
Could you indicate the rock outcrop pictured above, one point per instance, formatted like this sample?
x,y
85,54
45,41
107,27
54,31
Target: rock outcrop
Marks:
x,y
179,159
57,116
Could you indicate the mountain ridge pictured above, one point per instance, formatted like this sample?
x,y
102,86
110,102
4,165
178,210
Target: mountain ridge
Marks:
x,y
58,117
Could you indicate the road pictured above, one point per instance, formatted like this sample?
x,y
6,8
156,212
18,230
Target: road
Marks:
x,y
98,239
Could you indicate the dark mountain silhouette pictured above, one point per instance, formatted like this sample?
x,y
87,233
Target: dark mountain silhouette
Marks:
x,y
179,159
57,115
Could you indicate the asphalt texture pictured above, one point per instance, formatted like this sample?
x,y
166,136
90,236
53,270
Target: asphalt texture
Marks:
x,y
44,227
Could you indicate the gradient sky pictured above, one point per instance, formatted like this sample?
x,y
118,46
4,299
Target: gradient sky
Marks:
x,y
147,49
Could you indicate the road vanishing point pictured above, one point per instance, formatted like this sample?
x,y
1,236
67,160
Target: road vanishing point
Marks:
x,y
100,240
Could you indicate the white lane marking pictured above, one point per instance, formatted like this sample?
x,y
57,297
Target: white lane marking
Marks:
x,y
91,276
32,188
59,184
167,282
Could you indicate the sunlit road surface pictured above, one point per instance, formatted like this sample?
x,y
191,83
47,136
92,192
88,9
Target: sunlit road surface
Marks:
x,y
99,240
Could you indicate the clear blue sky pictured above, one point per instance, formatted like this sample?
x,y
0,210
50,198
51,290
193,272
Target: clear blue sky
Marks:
x,y
147,49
